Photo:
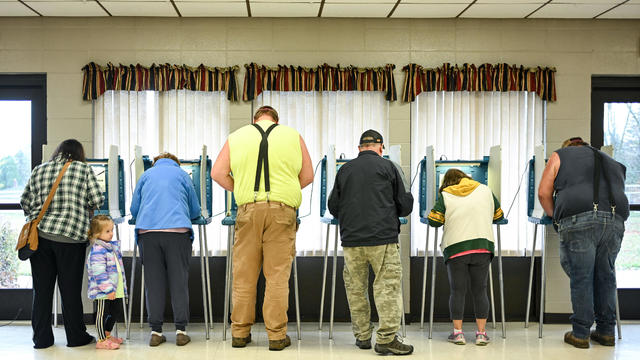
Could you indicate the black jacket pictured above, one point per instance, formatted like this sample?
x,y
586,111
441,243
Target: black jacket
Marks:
x,y
368,196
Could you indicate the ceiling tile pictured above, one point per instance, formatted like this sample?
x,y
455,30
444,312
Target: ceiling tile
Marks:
x,y
540,2
139,8
393,2
14,8
625,11
591,2
499,10
428,10
570,11
212,9
356,10
67,8
297,9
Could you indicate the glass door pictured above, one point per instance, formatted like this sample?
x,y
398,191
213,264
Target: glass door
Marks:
x,y
615,121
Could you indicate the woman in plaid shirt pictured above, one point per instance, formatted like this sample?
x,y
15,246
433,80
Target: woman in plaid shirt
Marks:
x,y
62,240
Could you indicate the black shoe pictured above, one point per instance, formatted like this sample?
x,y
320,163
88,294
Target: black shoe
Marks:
x,y
569,338
395,347
277,345
606,340
240,342
42,346
364,344
88,340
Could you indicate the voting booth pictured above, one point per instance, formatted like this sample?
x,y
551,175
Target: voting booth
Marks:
x,y
229,220
536,216
199,170
431,172
329,168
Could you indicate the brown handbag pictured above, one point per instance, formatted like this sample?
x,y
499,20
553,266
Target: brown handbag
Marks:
x,y
29,233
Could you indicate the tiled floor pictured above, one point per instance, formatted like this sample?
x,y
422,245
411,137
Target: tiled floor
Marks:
x,y
521,344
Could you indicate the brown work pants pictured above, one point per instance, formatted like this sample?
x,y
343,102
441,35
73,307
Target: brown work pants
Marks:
x,y
265,235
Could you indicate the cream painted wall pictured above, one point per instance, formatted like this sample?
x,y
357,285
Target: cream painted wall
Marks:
x,y
60,47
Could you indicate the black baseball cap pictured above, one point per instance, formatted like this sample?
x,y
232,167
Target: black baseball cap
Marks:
x,y
370,137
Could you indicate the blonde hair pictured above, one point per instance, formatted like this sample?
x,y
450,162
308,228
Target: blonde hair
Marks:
x,y
166,155
452,177
97,225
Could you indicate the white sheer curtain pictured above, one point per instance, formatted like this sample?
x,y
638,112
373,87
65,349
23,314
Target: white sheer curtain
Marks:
x,y
179,122
463,126
322,119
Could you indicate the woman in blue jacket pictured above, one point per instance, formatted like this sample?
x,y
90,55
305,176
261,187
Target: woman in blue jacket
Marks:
x,y
163,204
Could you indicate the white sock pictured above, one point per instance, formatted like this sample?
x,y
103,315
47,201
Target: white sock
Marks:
x,y
183,332
156,333
456,331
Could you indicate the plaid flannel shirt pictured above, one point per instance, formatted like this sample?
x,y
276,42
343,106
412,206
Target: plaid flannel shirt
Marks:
x,y
68,213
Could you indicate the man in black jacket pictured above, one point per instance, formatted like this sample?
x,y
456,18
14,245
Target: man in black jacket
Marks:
x,y
369,195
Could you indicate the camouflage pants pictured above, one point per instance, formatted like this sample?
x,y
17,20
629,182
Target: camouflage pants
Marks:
x,y
387,289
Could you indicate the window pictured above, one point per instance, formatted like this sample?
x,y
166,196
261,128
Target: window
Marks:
x,y
177,121
322,119
615,109
464,126
22,115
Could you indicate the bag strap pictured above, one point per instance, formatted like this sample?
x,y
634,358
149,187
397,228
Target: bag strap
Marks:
x,y
52,192
263,157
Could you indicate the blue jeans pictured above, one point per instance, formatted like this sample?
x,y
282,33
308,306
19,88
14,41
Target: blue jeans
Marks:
x,y
589,245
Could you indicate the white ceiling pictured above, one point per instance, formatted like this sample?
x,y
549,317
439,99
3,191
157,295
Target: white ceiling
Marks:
x,y
558,9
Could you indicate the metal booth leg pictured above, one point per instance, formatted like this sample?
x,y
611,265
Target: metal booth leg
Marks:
x,y
324,276
227,285
433,281
491,297
542,284
203,228
618,324
126,300
132,282
424,279
204,290
333,281
531,266
295,284
501,281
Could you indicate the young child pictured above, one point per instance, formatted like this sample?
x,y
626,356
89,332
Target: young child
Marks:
x,y
467,210
106,279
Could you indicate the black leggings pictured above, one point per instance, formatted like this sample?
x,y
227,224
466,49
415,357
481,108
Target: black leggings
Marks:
x,y
474,267
106,314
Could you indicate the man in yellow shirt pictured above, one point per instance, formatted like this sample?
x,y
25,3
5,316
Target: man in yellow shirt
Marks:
x,y
270,166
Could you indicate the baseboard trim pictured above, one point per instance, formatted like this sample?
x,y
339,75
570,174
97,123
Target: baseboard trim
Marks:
x,y
557,318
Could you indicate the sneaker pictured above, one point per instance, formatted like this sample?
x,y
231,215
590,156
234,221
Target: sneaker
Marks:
x,y
116,340
363,344
238,342
156,339
395,347
482,339
107,344
277,345
182,338
569,338
457,339
606,340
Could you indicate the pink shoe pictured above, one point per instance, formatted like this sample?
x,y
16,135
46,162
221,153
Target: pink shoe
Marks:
x,y
116,340
107,344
